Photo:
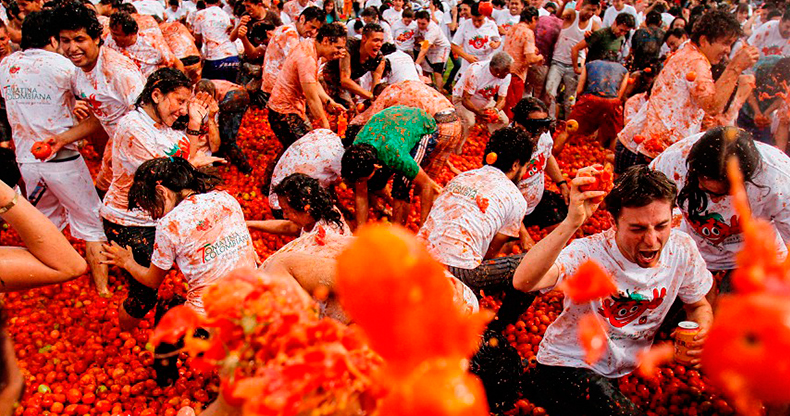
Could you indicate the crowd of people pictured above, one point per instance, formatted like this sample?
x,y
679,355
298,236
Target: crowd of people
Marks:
x,y
672,91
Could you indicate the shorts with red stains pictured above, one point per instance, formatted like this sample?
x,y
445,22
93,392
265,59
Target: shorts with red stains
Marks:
x,y
598,113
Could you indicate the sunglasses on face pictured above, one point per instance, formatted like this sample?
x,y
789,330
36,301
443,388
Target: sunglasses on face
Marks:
x,y
540,125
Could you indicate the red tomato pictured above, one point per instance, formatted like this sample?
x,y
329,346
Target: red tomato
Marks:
x,y
41,150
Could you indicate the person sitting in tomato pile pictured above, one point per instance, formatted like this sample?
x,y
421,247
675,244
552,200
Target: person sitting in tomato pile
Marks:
x,y
699,164
651,263
396,141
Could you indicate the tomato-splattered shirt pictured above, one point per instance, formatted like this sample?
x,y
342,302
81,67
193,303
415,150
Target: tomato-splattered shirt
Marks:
x,y
325,240
316,154
404,34
178,38
481,84
293,9
769,40
110,88
717,230
476,41
214,24
533,182
394,132
674,110
283,41
149,53
440,45
301,66
206,236
632,317
36,87
519,43
415,94
472,209
137,139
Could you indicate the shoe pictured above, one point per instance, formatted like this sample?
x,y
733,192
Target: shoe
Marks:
x,y
236,156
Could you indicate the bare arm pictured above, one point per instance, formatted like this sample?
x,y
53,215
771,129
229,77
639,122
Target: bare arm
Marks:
x,y
312,92
47,258
214,140
86,128
582,81
349,84
123,257
702,313
466,100
623,86
378,73
458,50
361,201
496,245
575,54
500,102
724,86
283,227
428,192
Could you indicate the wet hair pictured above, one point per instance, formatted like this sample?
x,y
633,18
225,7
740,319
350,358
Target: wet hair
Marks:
x,y
438,4
708,158
305,194
332,31
75,16
125,22
500,369
370,12
212,2
625,19
423,14
528,14
387,49
371,28
113,3
527,106
165,80
207,86
676,32
474,10
127,8
637,187
772,14
175,174
358,162
313,13
511,145
593,2
407,14
259,31
37,30
715,25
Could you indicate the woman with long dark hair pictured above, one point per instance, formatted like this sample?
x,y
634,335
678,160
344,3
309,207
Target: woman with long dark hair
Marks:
x,y
699,166
143,134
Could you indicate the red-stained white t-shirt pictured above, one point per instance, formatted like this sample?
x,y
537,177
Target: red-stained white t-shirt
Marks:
x,y
36,87
138,138
769,41
325,240
293,9
301,66
457,232
533,182
632,317
440,45
148,52
316,154
111,88
284,40
476,41
206,236
481,84
404,35
214,24
717,231
178,38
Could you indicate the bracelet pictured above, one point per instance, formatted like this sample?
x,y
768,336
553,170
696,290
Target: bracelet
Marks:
x,y
193,132
10,205
562,182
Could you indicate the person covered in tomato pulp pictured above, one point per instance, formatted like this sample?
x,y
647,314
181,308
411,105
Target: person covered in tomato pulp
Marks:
x,y
699,166
148,50
651,265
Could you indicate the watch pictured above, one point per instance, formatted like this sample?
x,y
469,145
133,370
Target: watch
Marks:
x,y
9,205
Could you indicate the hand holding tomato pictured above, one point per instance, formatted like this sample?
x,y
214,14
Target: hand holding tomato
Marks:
x,y
604,179
583,201
44,149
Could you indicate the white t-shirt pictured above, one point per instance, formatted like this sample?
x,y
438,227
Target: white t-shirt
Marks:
x,y
543,12
633,316
403,35
111,88
316,154
403,68
183,12
440,45
457,232
213,24
36,87
391,15
533,182
476,41
717,231
387,31
769,41
612,13
148,53
150,8
506,20
481,84
206,236
138,138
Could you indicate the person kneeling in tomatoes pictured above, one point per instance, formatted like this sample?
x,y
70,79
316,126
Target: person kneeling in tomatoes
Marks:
x,y
651,265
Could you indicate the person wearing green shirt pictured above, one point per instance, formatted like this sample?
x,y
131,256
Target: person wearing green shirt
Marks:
x,y
604,43
394,142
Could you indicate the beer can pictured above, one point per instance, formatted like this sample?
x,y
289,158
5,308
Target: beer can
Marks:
x,y
684,335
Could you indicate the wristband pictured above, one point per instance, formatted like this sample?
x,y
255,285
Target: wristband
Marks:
x,y
10,205
562,182
193,132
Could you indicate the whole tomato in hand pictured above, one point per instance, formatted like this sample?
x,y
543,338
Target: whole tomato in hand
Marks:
x,y
41,150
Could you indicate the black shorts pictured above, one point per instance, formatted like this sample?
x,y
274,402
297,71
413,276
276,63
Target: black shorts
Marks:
x,y
437,67
288,128
551,210
190,60
401,185
141,298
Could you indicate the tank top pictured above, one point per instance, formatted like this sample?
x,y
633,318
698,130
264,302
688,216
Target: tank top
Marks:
x,y
604,78
569,37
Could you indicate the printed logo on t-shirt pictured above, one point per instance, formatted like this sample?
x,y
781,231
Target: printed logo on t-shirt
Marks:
x,y
211,251
93,103
179,150
772,50
478,42
15,92
488,92
405,36
713,228
623,309
535,166
14,69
